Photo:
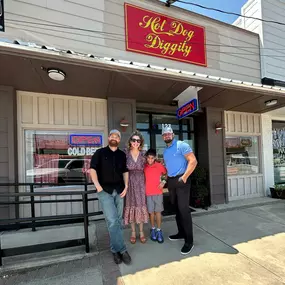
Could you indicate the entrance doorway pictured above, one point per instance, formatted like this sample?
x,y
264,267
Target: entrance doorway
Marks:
x,y
150,125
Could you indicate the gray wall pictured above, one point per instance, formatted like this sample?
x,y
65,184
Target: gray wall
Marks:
x,y
8,147
231,52
211,152
217,170
117,110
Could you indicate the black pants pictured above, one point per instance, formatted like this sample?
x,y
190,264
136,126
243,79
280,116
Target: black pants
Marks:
x,y
179,196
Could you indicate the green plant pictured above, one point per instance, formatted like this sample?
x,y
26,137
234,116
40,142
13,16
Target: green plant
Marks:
x,y
279,187
202,191
199,175
200,187
278,191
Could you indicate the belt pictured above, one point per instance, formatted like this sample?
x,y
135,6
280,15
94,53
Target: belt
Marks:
x,y
177,176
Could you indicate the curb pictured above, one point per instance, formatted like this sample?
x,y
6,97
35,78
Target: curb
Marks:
x,y
18,269
234,208
216,211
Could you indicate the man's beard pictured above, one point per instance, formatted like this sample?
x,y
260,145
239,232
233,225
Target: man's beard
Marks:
x,y
113,143
168,141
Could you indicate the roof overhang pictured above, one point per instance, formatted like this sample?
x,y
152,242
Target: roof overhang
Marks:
x,y
159,84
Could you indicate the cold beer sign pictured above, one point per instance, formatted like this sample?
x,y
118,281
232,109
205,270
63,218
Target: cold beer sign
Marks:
x,y
159,35
187,109
84,145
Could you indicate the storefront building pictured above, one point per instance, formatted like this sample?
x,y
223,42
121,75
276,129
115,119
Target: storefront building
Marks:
x,y
127,66
272,43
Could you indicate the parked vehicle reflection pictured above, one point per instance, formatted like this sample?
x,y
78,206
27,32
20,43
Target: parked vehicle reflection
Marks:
x,y
62,170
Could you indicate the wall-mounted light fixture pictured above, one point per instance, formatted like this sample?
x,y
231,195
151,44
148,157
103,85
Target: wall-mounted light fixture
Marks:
x,y
124,124
56,74
270,103
218,127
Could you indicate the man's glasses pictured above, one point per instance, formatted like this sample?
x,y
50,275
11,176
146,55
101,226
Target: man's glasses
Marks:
x,y
136,140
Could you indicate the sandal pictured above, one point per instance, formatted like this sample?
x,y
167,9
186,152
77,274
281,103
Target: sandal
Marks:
x,y
133,238
142,237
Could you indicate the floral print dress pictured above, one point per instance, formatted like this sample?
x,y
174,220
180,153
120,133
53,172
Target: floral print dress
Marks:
x,y
135,210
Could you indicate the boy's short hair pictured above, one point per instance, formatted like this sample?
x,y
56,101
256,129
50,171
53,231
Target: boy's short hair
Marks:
x,y
151,152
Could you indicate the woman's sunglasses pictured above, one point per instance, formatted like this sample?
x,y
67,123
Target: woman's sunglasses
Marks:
x,y
136,140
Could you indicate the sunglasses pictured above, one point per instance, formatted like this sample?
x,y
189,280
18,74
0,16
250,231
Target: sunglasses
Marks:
x,y
136,140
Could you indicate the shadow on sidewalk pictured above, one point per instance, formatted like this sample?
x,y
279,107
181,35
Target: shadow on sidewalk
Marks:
x,y
152,254
217,233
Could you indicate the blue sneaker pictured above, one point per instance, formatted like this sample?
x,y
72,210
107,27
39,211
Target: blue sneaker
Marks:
x,y
159,236
153,234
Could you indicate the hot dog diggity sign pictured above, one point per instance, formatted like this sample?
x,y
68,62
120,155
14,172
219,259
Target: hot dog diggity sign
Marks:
x,y
159,35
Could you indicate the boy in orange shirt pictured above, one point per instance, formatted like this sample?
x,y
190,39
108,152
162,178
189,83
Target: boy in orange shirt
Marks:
x,y
154,185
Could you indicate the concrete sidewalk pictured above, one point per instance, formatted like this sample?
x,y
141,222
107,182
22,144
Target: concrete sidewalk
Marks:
x,y
245,246
237,247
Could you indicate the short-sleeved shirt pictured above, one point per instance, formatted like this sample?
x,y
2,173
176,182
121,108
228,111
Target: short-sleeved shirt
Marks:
x,y
174,158
110,167
152,178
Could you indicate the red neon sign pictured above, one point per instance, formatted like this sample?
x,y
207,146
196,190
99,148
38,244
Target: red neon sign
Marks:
x,y
90,140
187,109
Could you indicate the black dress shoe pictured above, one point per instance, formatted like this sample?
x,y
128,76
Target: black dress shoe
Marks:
x,y
126,258
187,248
117,258
176,237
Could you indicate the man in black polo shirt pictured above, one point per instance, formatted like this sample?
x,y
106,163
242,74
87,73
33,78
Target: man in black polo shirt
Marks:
x,y
110,176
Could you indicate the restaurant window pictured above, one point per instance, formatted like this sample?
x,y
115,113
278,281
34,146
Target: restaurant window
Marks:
x,y
278,145
142,121
159,120
59,157
150,125
242,155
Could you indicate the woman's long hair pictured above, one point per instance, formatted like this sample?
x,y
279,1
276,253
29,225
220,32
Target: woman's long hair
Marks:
x,y
138,134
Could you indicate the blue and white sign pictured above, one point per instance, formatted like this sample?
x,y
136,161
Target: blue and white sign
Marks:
x,y
187,109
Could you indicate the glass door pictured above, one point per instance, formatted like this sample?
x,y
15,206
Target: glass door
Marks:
x,y
160,145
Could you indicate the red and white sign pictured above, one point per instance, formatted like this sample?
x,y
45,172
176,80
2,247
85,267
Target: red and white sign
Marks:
x,y
187,109
159,35
89,139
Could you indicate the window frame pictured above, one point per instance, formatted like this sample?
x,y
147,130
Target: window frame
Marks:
x,y
274,127
153,132
35,130
260,168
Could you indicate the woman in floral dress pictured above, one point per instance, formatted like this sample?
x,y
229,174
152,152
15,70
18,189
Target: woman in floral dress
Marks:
x,y
135,211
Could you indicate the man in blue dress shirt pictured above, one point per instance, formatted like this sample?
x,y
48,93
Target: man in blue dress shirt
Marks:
x,y
180,162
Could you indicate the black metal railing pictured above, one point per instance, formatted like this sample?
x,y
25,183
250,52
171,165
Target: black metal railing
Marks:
x,y
33,221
